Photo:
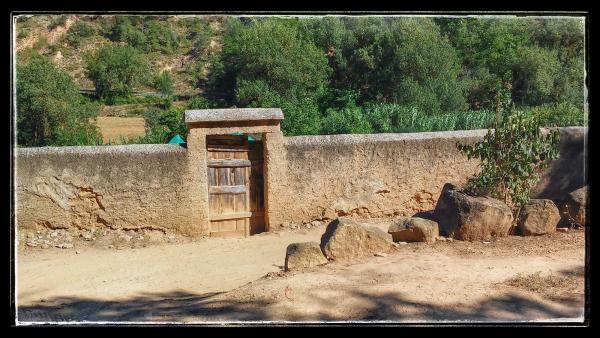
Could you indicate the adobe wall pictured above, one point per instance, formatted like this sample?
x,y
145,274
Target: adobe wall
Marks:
x,y
306,178
382,175
372,175
120,187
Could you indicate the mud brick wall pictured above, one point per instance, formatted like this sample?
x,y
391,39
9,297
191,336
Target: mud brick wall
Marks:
x,y
120,187
309,178
374,175
381,175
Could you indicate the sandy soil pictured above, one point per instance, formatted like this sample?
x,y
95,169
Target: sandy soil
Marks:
x,y
112,128
229,279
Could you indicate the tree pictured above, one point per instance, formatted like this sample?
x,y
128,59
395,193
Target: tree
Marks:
x,y
115,70
270,53
397,60
534,76
50,110
541,58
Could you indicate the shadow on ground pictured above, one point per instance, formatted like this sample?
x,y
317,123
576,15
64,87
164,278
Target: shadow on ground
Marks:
x,y
186,307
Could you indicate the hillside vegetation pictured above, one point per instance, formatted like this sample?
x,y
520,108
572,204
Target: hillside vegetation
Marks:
x,y
329,75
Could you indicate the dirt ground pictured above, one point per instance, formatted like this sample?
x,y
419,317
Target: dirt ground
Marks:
x,y
228,279
112,128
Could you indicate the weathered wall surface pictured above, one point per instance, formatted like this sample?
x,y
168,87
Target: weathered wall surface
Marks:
x,y
121,187
306,178
393,174
569,171
368,175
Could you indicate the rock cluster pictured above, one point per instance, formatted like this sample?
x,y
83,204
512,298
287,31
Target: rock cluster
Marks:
x,y
59,238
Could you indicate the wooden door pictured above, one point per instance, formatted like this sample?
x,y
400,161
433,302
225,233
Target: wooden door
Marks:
x,y
235,186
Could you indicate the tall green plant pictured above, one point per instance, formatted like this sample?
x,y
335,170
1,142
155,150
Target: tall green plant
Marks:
x,y
513,155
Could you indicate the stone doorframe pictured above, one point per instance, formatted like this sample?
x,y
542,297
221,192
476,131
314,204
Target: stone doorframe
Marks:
x,y
203,122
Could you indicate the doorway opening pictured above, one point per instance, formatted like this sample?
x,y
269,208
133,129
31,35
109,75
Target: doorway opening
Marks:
x,y
235,184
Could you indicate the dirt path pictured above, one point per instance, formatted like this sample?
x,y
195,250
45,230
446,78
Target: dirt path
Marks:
x,y
224,279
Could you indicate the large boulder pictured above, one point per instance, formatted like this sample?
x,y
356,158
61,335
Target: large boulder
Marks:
x,y
471,218
575,205
303,255
414,229
345,239
538,217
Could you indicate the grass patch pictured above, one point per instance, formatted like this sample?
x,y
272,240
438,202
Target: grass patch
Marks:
x,y
551,286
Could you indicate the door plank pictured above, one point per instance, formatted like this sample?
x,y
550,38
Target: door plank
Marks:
x,y
227,189
230,163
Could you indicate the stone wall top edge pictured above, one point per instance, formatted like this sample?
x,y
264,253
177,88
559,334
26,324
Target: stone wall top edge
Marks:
x,y
113,149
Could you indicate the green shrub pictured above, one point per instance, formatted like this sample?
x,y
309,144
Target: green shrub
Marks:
x,y
157,135
200,102
562,114
513,155
345,121
57,20
115,70
396,60
122,30
160,37
302,115
164,83
171,121
79,31
199,32
23,33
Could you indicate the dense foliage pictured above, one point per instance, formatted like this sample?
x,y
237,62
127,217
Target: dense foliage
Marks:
x,y
115,70
335,74
437,67
50,111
